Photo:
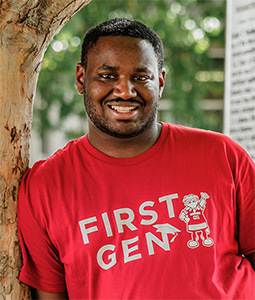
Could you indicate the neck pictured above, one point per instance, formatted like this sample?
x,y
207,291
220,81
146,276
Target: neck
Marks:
x,y
124,147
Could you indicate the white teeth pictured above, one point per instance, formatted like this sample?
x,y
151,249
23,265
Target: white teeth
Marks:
x,y
123,109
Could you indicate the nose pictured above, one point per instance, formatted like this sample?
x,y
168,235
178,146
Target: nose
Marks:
x,y
124,88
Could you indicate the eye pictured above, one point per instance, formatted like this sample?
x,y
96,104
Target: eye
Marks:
x,y
108,76
141,78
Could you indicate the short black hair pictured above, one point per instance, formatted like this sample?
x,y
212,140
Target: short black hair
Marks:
x,y
122,27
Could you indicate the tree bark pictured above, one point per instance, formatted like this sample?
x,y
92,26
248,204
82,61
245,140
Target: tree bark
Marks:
x,y
26,29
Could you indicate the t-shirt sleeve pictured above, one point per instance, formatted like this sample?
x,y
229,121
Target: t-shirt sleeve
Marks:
x,y
42,268
245,193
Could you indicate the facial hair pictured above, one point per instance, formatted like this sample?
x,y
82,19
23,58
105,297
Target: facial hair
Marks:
x,y
107,127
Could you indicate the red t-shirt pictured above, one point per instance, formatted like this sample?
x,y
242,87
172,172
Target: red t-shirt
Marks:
x,y
110,228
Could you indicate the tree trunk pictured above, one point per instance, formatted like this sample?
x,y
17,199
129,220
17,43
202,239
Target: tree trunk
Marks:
x,y
26,29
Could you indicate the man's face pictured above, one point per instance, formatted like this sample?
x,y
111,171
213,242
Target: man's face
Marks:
x,y
121,86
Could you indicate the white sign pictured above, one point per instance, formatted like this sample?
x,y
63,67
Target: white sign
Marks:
x,y
239,118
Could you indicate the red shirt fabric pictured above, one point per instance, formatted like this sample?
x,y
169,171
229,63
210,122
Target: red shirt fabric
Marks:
x,y
111,228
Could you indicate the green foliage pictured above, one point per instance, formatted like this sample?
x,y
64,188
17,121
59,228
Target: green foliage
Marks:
x,y
189,29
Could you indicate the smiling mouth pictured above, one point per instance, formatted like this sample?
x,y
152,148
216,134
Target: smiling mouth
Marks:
x,y
122,109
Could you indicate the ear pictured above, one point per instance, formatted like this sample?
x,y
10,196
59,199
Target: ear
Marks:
x,y
162,76
79,78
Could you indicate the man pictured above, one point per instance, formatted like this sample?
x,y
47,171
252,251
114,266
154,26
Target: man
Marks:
x,y
101,218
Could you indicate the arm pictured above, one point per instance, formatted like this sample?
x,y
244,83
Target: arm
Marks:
x,y
40,295
42,267
251,258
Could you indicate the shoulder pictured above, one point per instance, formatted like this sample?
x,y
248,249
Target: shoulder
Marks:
x,y
208,145
200,137
44,186
47,176
63,159
196,134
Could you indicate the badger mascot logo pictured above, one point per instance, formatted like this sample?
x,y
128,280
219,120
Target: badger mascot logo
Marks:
x,y
193,216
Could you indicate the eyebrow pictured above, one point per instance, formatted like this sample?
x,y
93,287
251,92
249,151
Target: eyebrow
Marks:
x,y
142,70
111,68
107,67
145,70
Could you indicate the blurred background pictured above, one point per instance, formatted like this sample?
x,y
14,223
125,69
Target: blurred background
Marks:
x,y
193,34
